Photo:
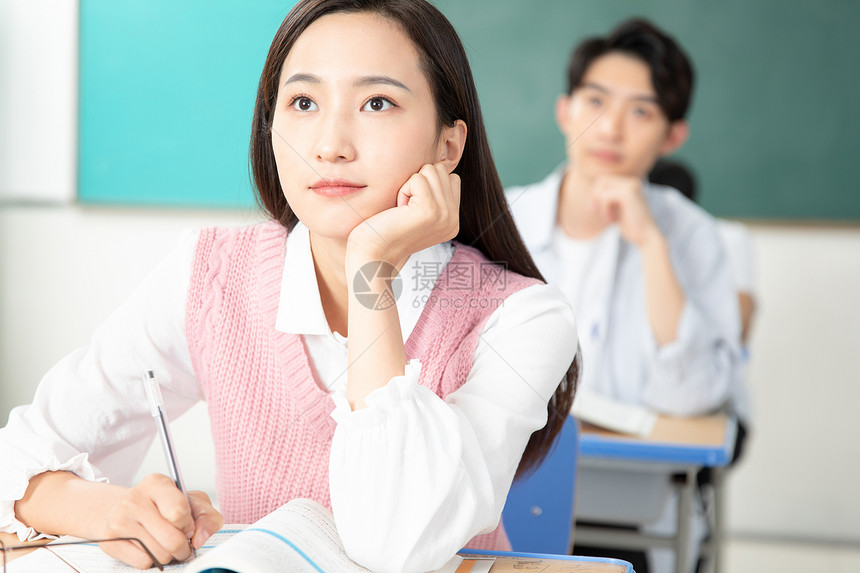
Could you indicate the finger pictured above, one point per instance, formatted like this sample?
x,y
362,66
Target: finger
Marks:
x,y
446,191
171,503
169,541
446,180
606,189
420,190
437,186
441,171
446,199
132,553
624,189
165,513
455,191
450,187
129,552
406,192
207,519
607,206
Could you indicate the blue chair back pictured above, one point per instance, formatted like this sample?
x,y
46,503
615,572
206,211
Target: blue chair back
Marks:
x,y
538,514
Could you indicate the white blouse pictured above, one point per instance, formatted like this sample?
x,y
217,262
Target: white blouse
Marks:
x,y
441,469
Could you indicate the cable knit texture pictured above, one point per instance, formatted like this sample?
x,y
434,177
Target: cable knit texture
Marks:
x,y
271,421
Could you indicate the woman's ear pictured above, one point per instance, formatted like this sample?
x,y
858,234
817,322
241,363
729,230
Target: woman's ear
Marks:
x,y
453,142
679,131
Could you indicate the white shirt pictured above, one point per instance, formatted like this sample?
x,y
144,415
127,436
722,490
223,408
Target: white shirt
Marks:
x,y
577,256
440,469
621,358
739,249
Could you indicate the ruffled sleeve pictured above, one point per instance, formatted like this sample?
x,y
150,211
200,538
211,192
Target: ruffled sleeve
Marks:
x,y
414,477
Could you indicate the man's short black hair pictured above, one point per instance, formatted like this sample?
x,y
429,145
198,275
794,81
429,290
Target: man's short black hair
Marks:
x,y
671,70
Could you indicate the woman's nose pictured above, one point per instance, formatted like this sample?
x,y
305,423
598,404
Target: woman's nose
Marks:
x,y
334,142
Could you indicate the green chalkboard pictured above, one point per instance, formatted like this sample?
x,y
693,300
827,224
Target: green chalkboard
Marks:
x,y
774,118
167,93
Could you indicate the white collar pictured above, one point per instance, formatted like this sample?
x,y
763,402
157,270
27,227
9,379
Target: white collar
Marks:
x,y
300,308
535,208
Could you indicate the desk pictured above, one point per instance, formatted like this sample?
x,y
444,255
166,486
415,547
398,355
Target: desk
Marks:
x,y
624,479
512,562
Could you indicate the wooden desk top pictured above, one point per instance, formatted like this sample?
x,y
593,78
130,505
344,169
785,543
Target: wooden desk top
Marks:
x,y
705,441
699,431
519,562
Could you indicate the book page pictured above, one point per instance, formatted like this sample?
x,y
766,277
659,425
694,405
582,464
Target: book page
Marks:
x,y
39,560
89,558
613,415
299,536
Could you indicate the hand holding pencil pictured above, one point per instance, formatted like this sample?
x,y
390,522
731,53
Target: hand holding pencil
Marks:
x,y
168,520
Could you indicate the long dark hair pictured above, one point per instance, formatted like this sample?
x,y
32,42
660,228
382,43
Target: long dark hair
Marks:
x,y
485,220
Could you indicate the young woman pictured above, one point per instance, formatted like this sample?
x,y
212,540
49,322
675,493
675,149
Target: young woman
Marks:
x,y
408,416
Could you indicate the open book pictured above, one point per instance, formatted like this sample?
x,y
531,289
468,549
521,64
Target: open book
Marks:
x,y
613,415
298,537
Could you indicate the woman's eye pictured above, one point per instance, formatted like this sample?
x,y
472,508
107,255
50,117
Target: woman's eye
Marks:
x,y
302,103
594,101
377,104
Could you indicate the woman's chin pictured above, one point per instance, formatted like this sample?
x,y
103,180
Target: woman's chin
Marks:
x,y
335,229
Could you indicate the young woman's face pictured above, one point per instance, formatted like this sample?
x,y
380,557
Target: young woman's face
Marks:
x,y
355,118
612,122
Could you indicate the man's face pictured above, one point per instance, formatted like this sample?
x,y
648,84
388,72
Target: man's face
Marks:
x,y
612,123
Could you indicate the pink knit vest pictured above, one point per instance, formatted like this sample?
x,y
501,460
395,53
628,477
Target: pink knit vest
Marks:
x,y
270,418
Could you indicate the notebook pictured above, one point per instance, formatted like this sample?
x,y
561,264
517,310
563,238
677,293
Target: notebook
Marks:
x,y
298,537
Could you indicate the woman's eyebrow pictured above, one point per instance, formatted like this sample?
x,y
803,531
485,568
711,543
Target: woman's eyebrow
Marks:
x,y
306,78
359,82
373,80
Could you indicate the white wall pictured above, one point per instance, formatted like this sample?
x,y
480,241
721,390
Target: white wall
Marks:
x,y
801,476
38,99
62,271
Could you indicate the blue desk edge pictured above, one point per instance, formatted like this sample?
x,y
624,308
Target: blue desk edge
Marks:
x,y
595,446
581,559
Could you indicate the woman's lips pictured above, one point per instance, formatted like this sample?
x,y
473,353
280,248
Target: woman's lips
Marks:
x,y
335,187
